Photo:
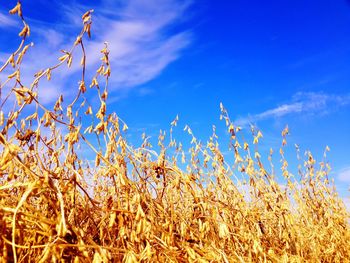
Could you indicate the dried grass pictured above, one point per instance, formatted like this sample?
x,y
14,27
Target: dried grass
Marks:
x,y
143,205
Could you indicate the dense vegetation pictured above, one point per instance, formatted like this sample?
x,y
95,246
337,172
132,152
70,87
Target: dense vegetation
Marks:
x,y
152,204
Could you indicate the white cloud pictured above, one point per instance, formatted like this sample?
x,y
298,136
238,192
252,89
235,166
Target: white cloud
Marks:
x,y
137,31
6,20
301,102
281,111
144,91
344,175
140,48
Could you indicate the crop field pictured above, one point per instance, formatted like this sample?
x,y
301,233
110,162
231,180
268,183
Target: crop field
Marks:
x,y
147,203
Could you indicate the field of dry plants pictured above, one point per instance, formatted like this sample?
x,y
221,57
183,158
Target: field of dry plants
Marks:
x,y
147,204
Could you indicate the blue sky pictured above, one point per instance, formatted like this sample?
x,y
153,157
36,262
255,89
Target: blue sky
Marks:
x,y
271,64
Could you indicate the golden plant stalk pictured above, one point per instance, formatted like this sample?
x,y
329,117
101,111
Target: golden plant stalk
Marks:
x,y
143,204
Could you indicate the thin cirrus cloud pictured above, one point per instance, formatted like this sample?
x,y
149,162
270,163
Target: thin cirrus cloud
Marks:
x,y
344,175
140,48
7,21
302,102
138,34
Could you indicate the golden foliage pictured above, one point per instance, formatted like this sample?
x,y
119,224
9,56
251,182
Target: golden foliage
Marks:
x,y
143,205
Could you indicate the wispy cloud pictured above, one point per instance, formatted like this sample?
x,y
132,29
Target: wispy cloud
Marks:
x,y
6,20
344,175
301,102
144,91
138,40
138,33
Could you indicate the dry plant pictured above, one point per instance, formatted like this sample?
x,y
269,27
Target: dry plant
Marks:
x,y
149,204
